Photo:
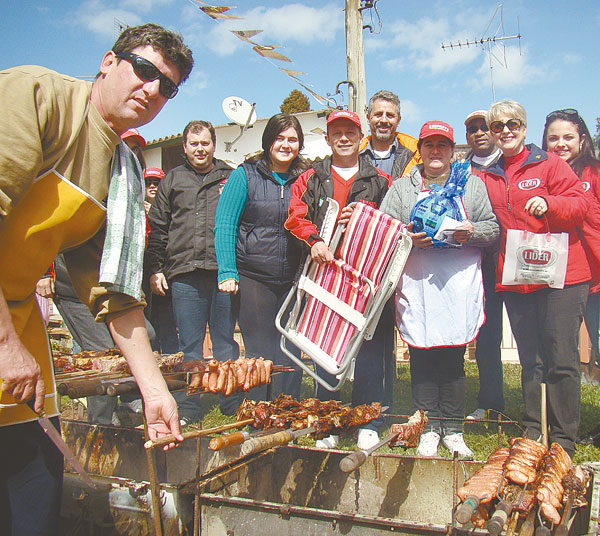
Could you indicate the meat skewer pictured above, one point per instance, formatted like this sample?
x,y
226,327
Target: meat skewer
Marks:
x,y
483,486
555,467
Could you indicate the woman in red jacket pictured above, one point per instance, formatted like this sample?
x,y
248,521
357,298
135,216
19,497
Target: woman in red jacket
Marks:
x,y
535,190
567,135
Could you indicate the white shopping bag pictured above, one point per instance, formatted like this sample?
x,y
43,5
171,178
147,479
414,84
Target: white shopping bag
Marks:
x,y
535,258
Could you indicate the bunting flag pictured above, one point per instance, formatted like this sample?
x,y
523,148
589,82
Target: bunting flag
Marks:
x,y
291,74
269,52
319,98
217,12
266,51
245,35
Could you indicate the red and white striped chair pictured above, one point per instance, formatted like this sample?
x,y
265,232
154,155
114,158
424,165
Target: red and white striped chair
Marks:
x,y
337,305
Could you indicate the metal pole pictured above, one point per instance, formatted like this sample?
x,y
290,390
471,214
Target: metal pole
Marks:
x,y
355,61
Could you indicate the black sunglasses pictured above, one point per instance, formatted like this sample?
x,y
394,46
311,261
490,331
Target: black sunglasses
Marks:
x,y
571,113
512,124
474,128
146,70
152,182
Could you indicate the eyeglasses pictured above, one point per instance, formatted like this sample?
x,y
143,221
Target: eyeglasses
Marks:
x,y
567,111
152,182
146,70
512,124
474,128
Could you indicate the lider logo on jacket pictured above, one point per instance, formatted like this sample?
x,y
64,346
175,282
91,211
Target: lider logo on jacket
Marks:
x,y
586,185
536,258
529,184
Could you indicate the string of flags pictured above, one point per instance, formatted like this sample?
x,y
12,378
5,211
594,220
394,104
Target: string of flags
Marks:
x,y
268,52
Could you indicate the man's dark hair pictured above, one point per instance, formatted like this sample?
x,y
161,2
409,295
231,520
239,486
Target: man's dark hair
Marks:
x,y
384,94
195,127
168,43
277,124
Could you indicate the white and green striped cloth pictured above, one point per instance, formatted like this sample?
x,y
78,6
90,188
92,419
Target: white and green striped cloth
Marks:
x,y
121,266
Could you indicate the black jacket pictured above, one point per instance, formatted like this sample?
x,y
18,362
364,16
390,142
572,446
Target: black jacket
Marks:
x,y
182,218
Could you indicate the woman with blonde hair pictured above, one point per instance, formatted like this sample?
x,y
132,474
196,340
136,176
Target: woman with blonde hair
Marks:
x,y
534,190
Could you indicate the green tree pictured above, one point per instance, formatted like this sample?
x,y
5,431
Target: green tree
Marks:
x,y
295,102
597,136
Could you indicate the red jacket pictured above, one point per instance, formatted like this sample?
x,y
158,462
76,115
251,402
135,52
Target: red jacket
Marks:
x,y
590,227
307,208
545,175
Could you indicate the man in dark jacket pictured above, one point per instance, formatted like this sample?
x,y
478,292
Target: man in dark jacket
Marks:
x,y
346,179
181,251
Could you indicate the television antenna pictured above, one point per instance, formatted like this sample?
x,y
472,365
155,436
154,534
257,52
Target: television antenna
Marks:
x,y
242,113
492,44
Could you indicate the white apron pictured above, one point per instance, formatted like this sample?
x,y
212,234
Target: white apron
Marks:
x,y
439,299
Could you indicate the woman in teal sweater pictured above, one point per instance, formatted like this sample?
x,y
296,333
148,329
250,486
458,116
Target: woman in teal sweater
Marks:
x,y
257,258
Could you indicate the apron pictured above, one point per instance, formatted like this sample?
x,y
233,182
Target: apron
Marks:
x,y
54,215
439,299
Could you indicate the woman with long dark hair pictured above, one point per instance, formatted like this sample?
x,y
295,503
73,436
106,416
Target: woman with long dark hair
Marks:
x,y
567,135
256,256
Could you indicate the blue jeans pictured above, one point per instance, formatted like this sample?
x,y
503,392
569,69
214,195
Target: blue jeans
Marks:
x,y
489,342
196,303
31,475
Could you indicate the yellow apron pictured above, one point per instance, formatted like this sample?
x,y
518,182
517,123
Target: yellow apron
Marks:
x,y
54,215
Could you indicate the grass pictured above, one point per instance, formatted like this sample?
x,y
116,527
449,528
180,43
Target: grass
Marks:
x,y
481,439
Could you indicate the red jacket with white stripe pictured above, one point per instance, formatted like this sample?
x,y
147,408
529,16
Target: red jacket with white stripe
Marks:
x,y
545,175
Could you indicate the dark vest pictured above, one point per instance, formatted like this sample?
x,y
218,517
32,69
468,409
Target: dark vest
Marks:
x,y
265,250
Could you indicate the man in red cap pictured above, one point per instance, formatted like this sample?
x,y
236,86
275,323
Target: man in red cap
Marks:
x,y
345,178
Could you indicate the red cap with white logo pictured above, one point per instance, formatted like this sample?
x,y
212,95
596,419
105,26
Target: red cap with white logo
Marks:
x,y
344,114
436,128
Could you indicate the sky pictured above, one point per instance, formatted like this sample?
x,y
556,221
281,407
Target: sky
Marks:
x,y
555,66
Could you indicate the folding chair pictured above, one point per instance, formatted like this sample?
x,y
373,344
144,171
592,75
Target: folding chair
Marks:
x,y
337,306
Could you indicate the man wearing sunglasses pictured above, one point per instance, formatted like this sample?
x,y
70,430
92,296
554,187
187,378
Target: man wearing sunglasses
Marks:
x,y
488,350
60,136
483,149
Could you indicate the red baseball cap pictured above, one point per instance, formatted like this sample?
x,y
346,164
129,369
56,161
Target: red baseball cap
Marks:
x,y
439,128
134,133
344,114
153,173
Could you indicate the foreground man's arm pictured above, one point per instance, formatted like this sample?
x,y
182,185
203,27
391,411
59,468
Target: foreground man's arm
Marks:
x,y
129,332
20,373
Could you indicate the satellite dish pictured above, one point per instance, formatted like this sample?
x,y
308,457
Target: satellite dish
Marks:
x,y
239,111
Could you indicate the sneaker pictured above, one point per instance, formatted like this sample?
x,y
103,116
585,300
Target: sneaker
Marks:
x,y
184,421
428,444
367,438
477,415
329,442
456,443
134,405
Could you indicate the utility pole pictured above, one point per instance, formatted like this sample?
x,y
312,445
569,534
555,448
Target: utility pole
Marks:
x,y
355,60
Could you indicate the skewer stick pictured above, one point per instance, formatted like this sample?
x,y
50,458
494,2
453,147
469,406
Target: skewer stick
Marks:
x,y
544,415
512,524
562,529
353,461
162,441
527,526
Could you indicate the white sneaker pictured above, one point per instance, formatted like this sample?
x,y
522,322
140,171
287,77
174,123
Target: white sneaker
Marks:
x,y
456,443
428,444
329,442
477,415
367,438
134,405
